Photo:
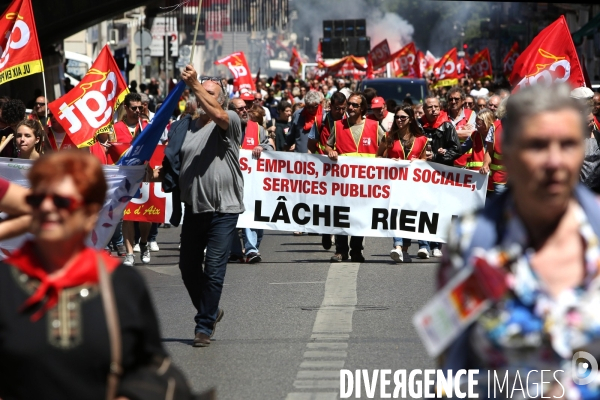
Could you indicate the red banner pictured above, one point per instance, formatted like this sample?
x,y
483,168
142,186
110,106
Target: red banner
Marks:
x,y
509,60
295,62
153,205
446,70
551,57
381,54
238,66
19,44
404,60
87,110
481,65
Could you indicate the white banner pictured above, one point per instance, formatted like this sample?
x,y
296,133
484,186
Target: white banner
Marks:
x,y
356,196
123,183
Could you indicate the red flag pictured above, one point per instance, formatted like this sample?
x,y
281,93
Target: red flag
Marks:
x,y
445,70
380,55
461,68
87,110
418,66
319,56
238,66
295,62
21,55
403,60
481,65
551,57
370,74
509,60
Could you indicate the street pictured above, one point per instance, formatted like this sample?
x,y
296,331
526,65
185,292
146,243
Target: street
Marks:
x,y
294,320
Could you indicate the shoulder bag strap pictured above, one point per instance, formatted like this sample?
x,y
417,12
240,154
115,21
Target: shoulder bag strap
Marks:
x,y
112,322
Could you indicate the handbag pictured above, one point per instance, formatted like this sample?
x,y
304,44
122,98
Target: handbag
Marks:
x,y
159,380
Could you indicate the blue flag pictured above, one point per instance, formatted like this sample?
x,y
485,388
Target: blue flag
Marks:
x,y
145,143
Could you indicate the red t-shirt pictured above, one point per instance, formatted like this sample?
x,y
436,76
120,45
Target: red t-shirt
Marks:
x,y
3,187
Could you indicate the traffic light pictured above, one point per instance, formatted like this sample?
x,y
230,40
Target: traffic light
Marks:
x,y
170,48
465,47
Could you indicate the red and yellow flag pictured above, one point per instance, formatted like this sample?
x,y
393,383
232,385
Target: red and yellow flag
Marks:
x,y
509,60
380,54
404,60
87,110
446,70
21,55
481,65
237,64
295,62
551,57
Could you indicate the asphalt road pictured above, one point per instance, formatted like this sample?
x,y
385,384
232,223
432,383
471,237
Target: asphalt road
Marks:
x,y
294,320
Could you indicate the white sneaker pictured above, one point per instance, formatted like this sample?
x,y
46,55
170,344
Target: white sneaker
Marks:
x,y
423,253
396,255
153,246
136,248
406,257
129,260
437,253
145,250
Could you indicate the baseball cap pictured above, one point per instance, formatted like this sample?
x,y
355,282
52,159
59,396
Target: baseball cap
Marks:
x,y
377,102
247,96
346,92
582,93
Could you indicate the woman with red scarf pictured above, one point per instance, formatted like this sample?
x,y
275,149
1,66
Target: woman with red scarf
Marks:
x,y
404,141
54,340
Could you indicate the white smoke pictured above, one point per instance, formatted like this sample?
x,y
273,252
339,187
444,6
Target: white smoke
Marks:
x,y
380,25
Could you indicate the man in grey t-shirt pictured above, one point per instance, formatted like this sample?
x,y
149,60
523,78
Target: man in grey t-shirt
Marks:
x,y
212,188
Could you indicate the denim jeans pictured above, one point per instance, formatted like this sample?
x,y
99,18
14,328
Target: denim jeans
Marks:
x,y
429,245
117,237
252,238
236,246
213,232
401,242
153,232
341,245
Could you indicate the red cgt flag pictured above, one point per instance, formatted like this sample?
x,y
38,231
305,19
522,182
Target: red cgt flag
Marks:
x,y
295,62
481,65
237,64
446,70
87,110
404,60
509,60
380,54
551,57
21,56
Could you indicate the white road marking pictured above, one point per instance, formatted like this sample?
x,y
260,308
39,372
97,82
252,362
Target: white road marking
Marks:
x,y
337,364
318,375
317,384
293,283
327,345
312,396
325,354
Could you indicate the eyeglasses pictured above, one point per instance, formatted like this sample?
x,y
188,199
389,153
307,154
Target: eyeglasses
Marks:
x,y
40,104
213,79
354,105
136,108
60,202
401,117
454,99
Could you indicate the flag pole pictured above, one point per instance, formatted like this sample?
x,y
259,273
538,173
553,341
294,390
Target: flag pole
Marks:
x,y
196,31
45,95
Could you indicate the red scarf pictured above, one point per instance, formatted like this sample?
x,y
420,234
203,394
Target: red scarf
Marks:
x,y
83,270
442,117
310,118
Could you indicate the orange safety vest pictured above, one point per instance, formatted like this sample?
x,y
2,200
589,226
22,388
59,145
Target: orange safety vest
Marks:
x,y
462,161
67,143
416,151
367,145
326,130
497,169
251,138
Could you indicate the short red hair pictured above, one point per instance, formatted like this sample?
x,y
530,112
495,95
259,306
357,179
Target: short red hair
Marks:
x,y
83,167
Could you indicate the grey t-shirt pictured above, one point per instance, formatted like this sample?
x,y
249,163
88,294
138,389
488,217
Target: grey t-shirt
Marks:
x,y
210,179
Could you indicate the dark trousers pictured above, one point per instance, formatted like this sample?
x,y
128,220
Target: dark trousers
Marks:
x,y
341,245
214,232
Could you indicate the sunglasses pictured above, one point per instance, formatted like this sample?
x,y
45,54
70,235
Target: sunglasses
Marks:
x,y
401,117
354,105
468,104
454,99
242,108
40,104
60,202
212,79
136,108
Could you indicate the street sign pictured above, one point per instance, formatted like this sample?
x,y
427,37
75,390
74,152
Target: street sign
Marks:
x,y
162,26
185,51
143,38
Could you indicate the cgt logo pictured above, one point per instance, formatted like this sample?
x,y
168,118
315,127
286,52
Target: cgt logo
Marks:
x,y
557,71
448,69
93,106
480,68
510,62
21,31
406,61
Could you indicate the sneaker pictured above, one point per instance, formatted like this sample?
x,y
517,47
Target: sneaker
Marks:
x,y
437,253
129,260
253,258
179,247
233,259
396,255
406,257
136,248
358,257
423,253
326,241
338,258
121,250
220,314
145,253
154,246
297,233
